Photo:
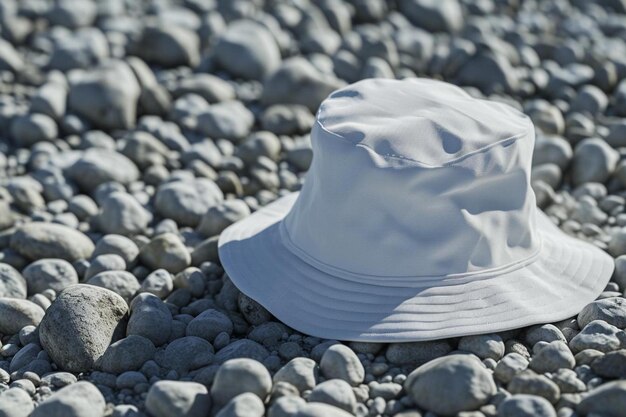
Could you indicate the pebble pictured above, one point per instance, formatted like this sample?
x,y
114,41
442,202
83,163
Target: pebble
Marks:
x,y
238,376
39,240
483,346
165,251
219,217
150,318
121,214
552,357
432,15
253,312
594,161
178,398
120,282
597,335
611,310
608,399
159,283
16,314
15,402
117,245
81,399
98,166
247,50
509,366
543,333
168,46
55,274
611,365
32,128
336,392
416,353
339,361
528,382
299,372
450,375
209,324
211,88
186,354
80,324
285,406
12,283
243,405
320,410
127,354
286,119
104,263
106,96
522,405
185,202
229,120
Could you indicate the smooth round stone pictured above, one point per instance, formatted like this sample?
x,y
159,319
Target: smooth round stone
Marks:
x,y
543,333
443,384
44,274
611,310
185,202
432,15
219,217
339,361
528,382
165,251
186,354
594,161
598,335
243,405
12,283
99,166
590,99
15,402
285,406
522,405
103,263
287,119
168,46
81,324
552,357
211,88
229,120
159,283
299,372
509,366
120,282
127,354
552,150
483,346
238,376
607,400
150,318
39,240
15,314
81,399
117,245
611,365
32,128
336,392
121,213
178,398
209,324
247,50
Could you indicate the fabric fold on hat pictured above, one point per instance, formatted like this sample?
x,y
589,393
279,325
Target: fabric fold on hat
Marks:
x,y
416,221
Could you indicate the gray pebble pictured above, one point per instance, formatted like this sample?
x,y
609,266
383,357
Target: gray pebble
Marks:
x,y
127,354
32,128
39,240
299,372
178,398
611,310
285,406
483,346
528,382
339,361
219,217
416,353
150,318
237,376
80,324
98,166
209,324
120,282
611,365
552,357
15,402
186,354
523,405
253,312
55,274
433,16
450,375
335,392
16,314
229,120
121,214
50,99
510,365
608,399
12,283
243,405
168,46
185,202
165,251
117,245
105,263
597,335
594,161
159,283
81,399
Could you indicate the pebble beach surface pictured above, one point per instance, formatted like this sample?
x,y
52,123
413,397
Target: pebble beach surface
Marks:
x,y
133,133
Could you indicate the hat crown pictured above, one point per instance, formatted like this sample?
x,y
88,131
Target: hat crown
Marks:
x,y
415,178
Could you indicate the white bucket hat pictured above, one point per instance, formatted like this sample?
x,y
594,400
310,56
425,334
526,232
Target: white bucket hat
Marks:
x,y
416,222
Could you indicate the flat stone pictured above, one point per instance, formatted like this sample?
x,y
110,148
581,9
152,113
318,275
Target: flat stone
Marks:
x,y
39,240
187,353
97,166
483,346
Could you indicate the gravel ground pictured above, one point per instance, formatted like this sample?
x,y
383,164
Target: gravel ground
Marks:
x,y
132,133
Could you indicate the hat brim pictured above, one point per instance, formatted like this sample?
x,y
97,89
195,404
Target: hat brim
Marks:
x,y
568,274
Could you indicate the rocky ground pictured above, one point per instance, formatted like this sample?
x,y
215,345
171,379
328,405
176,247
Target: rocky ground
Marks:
x,y
132,133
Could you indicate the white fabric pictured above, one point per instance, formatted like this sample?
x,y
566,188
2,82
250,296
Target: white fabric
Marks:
x,y
416,221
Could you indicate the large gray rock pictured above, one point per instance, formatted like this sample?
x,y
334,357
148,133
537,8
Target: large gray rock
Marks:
x,y
81,399
297,81
55,274
247,50
185,202
237,376
10,59
16,313
12,283
106,96
219,217
81,324
39,240
451,384
97,166
178,398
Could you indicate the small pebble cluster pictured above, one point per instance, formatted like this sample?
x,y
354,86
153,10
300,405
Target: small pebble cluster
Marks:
x,y
133,132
